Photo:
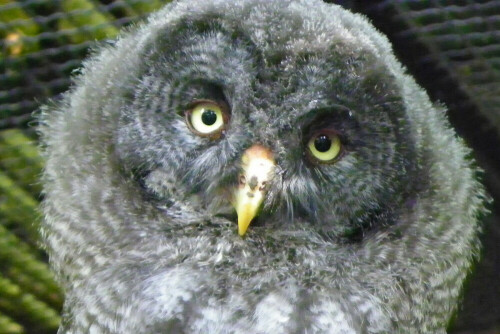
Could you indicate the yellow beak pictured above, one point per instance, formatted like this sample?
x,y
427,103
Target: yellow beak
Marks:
x,y
257,170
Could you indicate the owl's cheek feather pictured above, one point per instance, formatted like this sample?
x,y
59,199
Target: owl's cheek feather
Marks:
x,y
257,170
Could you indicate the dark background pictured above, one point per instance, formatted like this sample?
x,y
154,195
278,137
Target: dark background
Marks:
x,y
451,47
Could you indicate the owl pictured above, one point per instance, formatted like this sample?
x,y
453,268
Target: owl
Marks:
x,y
255,166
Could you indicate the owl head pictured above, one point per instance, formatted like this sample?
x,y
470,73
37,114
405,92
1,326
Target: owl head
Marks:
x,y
282,114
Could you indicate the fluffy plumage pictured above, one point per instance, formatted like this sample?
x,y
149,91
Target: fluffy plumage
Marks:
x,y
138,219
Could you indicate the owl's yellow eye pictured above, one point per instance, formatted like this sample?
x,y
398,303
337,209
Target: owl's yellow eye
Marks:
x,y
324,147
207,118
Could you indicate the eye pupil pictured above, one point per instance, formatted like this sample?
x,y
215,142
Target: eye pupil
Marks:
x,y
209,117
322,143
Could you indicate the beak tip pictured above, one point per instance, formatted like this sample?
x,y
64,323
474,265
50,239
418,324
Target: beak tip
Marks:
x,y
242,229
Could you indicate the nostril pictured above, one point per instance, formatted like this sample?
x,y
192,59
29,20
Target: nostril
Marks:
x,y
263,186
254,182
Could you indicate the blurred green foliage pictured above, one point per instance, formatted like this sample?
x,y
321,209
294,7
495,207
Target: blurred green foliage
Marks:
x,y
30,300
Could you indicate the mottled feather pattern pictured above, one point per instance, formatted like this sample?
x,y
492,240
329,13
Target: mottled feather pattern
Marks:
x,y
138,220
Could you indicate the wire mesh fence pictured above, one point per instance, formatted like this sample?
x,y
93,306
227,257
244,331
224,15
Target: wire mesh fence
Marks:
x,y
42,42
464,39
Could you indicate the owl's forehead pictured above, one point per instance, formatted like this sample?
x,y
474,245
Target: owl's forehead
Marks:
x,y
297,55
297,26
